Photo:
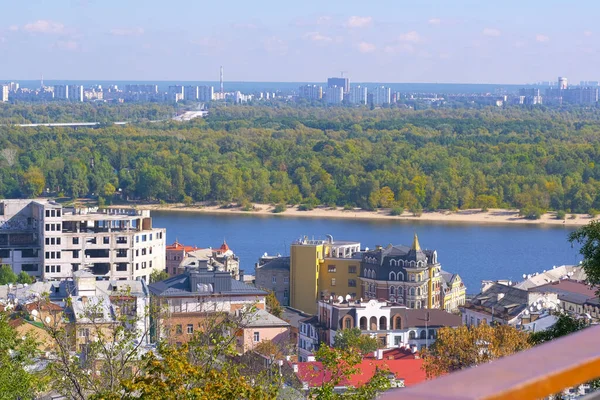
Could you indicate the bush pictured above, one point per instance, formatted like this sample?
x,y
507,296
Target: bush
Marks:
x,y
531,212
348,207
573,216
416,210
593,213
247,206
560,214
396,211
279,208
305,207
187,200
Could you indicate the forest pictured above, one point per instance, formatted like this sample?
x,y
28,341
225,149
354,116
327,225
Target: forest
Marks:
x,y
533,159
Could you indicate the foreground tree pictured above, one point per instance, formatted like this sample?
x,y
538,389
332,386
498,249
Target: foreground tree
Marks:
x,y
464,347
588,237
7,275
346,339
273,305
157,276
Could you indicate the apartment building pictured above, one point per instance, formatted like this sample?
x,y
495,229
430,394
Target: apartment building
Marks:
x,y
274,275
4,93
51,242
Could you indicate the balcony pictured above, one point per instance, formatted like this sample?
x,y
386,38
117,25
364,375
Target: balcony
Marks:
x,y
532,374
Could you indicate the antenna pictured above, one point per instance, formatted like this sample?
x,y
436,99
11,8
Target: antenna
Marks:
x,y
343,72
221,79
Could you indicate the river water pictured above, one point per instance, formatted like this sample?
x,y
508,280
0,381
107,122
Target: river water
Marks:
x,y
476,252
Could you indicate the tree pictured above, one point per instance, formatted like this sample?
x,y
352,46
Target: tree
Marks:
x,y
7,275
33,182
24,277
464,347
353,339
157,276
108,190
564,325
273,305
16,355
588,237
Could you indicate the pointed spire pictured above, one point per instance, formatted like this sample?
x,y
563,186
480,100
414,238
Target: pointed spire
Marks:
x,y
416,246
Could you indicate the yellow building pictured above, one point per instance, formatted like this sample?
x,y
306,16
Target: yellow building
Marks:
x,y
323,268
454,292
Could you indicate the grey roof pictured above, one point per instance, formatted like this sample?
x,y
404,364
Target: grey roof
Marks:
x,y
294,316
417,318
504,299
100,306
553,275
202,283
276,263
262,319
447,277
400,252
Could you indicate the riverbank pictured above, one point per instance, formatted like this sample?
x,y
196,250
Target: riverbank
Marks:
x,y
492,216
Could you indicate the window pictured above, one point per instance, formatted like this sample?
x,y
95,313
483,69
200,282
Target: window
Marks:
x,y
256,337
352,269
273,280
190,329
331,268
4,253
178,329
58,268
106,240
285,294
75,253
137,239
29,267
121,267
144,238
412,335
83,332
144,251
75,240
122,240
47,241
47,213
351,282
332,281
397,340
347,323
286,280
150,236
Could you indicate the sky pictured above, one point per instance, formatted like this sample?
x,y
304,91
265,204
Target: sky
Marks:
x,y
449,41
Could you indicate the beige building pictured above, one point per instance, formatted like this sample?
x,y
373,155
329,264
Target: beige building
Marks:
x,y
274,276
260,326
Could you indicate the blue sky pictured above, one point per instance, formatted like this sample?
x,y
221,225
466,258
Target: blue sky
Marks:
x,y
459,41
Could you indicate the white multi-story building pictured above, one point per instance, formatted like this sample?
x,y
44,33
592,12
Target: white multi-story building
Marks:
x,y
308,338
50,242
382,95
334,95
175,93
4,93
206,93
75,93
358,95
311,92
61,92
190,93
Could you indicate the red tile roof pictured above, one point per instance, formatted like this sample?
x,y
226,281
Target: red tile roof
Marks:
x,y
42,306
568,285
406,367
179,246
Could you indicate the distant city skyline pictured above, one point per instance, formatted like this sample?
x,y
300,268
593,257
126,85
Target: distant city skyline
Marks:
x,y
465,41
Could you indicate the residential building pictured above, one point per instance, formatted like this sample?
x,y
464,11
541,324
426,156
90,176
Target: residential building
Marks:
x,y
562,83
530,96
274,276
50,242
343,83
508,305
147,89
175,93
382,95
454,292
574,297
220,259
572,272
310,336
358,95
310,92
197,297
405,275
259,326
4,89
405,369
206,93
75,93
322,268
393,325
294,318
334,95
190,93
61,92
175,253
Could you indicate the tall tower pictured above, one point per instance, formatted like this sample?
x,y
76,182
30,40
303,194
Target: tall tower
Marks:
x,y
221,79
562,83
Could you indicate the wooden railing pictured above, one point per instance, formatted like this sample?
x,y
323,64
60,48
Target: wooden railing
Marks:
x,y
532,374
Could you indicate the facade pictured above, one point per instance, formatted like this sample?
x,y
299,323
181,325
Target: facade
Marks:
x,y
4,93
61,92
190,93
343,83
562,83
260,326
358,95
382,95
75,93
311,92
508,305
206,93
334,95
454,292
50,242
274,276
175,254
191,299
393,325
309,337
175,93
574,297
320,269
408,276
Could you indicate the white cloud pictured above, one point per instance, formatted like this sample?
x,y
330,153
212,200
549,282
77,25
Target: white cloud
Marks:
x,y
276,45
491,32
243,25
434,21
45,26
323,20
541,38
69,45
365,47
411,36
318,37
2,39
519,44
359,22
127,31
399,48
13,28
587,33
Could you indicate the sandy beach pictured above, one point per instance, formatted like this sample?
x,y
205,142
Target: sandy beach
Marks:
x,y
476,216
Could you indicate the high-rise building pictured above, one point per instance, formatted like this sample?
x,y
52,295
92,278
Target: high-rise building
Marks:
x,y
175,93
75,93
530,96
148,89
382,95
334,95
311,92
191,93
321,269
562,83
13,87
206,93
358,95
61,92
50,242
344,83
3,93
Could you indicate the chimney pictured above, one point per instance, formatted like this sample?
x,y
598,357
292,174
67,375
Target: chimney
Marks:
x,y
380,354
500,296
241,275
378,247
295,367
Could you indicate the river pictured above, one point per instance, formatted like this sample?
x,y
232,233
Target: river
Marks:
x,y
476,252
